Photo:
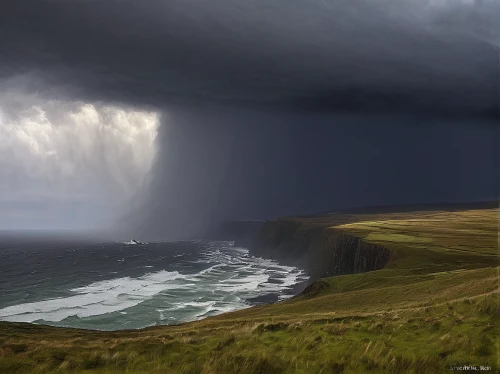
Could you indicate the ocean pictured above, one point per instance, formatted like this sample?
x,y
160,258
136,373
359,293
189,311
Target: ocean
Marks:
x,y
109,285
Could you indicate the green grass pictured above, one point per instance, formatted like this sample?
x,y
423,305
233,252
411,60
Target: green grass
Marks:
x,y
434,305
397,238
473,231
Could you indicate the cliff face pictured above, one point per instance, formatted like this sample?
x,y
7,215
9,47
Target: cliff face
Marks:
x,y
322,251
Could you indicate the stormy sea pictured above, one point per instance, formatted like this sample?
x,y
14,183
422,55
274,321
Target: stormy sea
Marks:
x,y
109,285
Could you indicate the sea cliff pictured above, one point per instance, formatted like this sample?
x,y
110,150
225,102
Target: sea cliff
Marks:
x,y
322,251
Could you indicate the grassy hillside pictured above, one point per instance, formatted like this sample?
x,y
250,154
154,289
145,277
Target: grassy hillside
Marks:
x,y
434,304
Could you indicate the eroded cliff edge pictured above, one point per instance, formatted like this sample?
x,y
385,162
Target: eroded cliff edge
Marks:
x,y
322,251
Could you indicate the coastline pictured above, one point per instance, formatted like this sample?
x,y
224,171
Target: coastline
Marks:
x,y
435,303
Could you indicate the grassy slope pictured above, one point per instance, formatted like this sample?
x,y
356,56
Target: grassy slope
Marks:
x,y
435,304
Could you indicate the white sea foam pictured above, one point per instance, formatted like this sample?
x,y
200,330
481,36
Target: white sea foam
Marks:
x,y
133,242
98,298
231,278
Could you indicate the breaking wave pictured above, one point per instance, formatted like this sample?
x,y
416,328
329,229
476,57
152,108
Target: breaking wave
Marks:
x,y
229,280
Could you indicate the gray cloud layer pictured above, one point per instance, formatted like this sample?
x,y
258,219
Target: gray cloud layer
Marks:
x,y
434,56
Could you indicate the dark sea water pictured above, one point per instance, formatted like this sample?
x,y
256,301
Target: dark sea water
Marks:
x,y
110,285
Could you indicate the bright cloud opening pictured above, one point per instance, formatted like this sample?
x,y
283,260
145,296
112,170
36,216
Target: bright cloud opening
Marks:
x,y
88,154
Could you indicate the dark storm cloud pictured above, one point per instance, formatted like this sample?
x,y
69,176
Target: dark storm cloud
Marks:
x,y
276,107
435,57
216,166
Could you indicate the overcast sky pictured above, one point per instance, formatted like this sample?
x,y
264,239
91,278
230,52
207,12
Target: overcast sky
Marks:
x,y
209,110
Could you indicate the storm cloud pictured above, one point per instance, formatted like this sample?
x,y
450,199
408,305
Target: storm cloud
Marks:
x,y
322,55
268,107
224,166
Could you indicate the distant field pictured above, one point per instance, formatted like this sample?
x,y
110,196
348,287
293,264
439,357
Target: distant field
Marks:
x,y
473,231
434,305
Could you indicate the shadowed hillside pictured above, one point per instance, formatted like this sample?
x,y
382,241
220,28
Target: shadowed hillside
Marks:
x,y
413,292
